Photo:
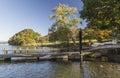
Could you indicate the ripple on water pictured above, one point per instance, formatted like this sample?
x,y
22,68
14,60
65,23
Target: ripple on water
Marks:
x,y
47,69
39,70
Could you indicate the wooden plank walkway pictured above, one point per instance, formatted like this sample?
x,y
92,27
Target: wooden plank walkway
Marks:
x,y
32,53
37,53
103,47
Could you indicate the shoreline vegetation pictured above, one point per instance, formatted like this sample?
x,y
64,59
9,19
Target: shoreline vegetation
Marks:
x,y
61,47
64,32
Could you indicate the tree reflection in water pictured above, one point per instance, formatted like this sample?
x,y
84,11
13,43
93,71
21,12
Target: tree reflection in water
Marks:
x,y
66,70
101,70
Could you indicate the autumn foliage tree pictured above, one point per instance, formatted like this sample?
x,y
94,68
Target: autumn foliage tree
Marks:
x,y
65,19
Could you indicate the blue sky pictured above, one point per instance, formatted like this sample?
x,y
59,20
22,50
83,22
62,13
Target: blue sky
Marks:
x,y
16,15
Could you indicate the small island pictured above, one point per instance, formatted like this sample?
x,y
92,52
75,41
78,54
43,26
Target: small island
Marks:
x,y
25,37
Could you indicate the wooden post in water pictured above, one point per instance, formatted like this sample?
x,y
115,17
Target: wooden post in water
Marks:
x,y
26,50
5,51
42,49
20,49
80,44
14,50
34,48
38,59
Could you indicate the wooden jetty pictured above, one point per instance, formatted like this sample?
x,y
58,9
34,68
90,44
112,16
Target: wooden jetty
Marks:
x,y
31,54
39,54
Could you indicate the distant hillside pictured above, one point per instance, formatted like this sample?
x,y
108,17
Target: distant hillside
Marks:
x,y
3,42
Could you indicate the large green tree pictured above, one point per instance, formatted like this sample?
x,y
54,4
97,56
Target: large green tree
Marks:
x,y
65,19
102,13
26,36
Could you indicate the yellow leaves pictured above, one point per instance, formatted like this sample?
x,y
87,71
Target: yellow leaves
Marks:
x,y
90,33
104,33
117,21
76,20
65,20
59,10
64,15
99,22
63,9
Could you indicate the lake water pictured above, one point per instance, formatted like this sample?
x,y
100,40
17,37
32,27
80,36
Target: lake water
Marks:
x,y
49,69
58,69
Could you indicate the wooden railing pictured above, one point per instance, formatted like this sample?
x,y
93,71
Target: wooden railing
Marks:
x,y
27,50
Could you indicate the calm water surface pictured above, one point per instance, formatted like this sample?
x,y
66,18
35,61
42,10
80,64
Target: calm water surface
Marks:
x,y
49,69
58,69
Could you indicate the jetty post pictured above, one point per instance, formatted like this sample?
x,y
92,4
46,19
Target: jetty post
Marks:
x,y
14,50
80,43
34,48
5,50
20,50
27,50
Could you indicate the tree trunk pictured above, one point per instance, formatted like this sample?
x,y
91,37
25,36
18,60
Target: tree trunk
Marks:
x,y
74,43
